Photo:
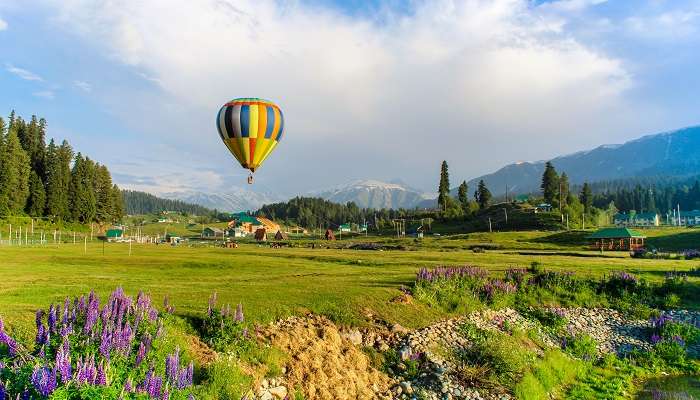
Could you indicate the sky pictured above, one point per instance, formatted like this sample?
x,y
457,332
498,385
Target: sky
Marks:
x,y
370,89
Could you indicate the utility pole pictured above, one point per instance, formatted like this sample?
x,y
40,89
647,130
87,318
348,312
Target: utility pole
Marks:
x,y
583,221
490,230
85,245
505,211
567,222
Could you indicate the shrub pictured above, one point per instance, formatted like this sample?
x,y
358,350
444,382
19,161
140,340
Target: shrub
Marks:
x,y
503,355
84,350
553,319
223,329
581,346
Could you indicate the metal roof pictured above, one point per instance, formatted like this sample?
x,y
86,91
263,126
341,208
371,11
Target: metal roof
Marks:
x,y
615,233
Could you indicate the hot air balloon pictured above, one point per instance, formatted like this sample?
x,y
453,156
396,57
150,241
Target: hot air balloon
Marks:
x,y
251,129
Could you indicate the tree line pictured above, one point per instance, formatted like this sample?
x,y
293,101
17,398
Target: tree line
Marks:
x,y
138,203
51,180
312,212
462,205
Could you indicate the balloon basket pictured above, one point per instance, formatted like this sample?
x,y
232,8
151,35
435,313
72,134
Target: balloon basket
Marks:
x,y
250,179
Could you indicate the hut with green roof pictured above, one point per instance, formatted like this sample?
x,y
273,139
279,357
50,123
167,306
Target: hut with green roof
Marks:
x,y
617,239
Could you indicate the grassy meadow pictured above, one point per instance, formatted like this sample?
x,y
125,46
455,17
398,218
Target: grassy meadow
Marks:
x,y
271,283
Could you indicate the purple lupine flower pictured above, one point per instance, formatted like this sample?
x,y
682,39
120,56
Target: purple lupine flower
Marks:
x,y
141,354
190,397
105,343
516,275
52,318
3,391
101,374
7,339
166,395
212,303
239,313
63,365
679,340
172,365
44,380
655,338
128,386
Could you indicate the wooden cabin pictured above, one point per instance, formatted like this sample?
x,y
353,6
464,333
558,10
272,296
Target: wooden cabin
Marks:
x,y
622,239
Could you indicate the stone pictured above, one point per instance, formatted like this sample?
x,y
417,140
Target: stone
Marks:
x,y
354,336
266,396
406,387
278,392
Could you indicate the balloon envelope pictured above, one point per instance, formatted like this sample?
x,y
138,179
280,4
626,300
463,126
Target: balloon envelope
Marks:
x,y
251,129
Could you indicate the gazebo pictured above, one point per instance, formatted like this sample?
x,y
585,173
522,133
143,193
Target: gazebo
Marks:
x,y
617,239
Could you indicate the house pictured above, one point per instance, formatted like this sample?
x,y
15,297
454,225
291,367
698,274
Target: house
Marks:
x,y
212,233
329,234
687,218
114,235
268,224
281,236
261,235
543,207
636,219
236,232
172,239
248,223
616,239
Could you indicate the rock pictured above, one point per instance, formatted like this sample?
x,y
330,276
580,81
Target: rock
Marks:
x,y
266,396
397,328
354,336
406,387
279,392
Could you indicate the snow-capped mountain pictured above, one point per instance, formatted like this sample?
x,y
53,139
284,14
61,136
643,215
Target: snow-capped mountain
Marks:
x,y
236,200
374,194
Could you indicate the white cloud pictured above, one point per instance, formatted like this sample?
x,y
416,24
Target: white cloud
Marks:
x,y
23,73
447,81
670,25
84,86
45,94
3,24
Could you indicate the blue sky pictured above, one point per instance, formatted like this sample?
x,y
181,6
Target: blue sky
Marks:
x,y
381,90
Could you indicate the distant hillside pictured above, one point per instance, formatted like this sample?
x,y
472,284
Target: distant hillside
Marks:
x,y
145,203
674,153
236,200
374,194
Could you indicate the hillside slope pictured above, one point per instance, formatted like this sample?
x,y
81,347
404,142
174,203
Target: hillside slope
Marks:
x,y
675,153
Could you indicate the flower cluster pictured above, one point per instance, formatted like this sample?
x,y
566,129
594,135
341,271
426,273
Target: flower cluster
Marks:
x,y
81,343
449,273
625,277
690,254
223,327
496,287
516,276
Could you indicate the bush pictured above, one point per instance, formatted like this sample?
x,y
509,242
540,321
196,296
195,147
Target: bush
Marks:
x,y
552,319
223,329
581,346
503,355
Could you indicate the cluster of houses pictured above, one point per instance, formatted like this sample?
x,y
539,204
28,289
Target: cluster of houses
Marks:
x,y
673,218
244,225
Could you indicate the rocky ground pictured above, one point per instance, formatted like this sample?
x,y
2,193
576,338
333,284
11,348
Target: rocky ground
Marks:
x,y
326,362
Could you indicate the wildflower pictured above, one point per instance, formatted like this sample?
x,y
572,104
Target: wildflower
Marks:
x,y
655,338
212,303
679,340
172,363
44,380
141,354
239,313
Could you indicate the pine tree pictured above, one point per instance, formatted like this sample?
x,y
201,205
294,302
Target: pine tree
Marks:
x,y
564,189
104,195
444,187
550,183
14,174
482,195
586,197
58,161
463,197
81,190
37,196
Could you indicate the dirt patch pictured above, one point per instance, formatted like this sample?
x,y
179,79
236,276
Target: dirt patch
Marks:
x,y
200,351
324,364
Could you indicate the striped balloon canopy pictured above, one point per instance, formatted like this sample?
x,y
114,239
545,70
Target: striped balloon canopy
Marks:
x,y
251,129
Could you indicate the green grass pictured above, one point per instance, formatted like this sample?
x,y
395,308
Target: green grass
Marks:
x,y
271,283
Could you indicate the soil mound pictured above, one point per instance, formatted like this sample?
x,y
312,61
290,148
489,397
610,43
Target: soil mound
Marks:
x,y
324,364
